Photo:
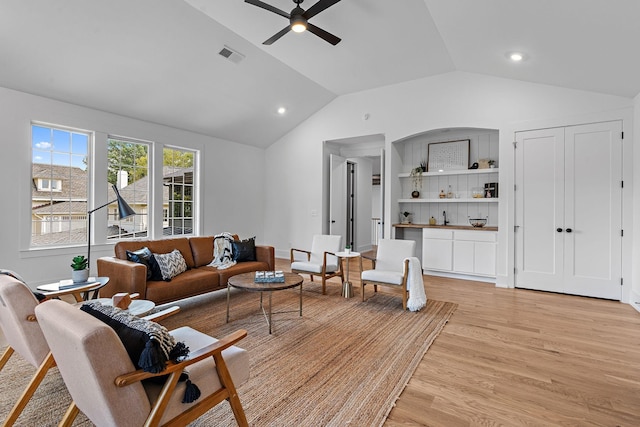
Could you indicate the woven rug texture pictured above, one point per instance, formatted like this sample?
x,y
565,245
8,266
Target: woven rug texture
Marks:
x,y
344,362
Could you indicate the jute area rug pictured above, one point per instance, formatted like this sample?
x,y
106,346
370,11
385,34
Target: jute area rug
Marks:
x,y
344,362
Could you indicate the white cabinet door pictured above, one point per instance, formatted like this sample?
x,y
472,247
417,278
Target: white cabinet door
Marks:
x,y
463,256
437,254
568,209
484,261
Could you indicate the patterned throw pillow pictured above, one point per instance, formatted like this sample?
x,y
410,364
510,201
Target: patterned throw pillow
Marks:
x,y
171,264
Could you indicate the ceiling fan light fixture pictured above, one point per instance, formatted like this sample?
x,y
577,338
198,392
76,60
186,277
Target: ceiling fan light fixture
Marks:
x,y
298,24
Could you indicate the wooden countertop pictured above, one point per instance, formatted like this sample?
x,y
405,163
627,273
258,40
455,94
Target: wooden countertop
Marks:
x,y
451,227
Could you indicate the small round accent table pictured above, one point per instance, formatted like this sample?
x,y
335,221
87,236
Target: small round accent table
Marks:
x,y
138,307
247,282
82,291
347,287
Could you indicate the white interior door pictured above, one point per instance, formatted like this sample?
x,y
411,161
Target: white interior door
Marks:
x,y
593,210
382,180
338,196
539,209
568,210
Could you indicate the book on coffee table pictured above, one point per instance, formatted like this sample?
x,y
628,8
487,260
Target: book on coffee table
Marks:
x,y
269,277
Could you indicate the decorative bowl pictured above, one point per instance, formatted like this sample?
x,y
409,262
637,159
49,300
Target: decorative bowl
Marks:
x,y
477,192
478,222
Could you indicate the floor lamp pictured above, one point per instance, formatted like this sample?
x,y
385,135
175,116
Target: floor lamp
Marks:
x,y
124,211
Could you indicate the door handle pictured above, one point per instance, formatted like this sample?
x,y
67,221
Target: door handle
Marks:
x,y
569,230
559,230
333,221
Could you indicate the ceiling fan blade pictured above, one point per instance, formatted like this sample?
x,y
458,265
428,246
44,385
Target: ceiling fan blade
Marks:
x,y
268,7
277,35
319,7
323,34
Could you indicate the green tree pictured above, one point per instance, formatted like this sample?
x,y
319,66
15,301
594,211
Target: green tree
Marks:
x,y
129,157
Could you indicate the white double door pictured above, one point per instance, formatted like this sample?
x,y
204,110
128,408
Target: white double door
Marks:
x,y
569,210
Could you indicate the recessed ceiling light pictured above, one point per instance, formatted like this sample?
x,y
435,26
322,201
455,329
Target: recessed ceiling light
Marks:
x,y
515,56
282,110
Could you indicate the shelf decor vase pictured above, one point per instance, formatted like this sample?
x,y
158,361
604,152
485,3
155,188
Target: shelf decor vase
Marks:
x,y
415,194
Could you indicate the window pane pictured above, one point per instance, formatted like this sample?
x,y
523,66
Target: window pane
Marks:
x,y
128,167
179,186
59,198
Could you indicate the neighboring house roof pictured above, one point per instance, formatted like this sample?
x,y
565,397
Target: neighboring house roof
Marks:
x,y
134,194
73,208
66,174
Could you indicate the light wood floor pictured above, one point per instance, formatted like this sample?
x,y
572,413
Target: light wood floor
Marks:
x,y
511,357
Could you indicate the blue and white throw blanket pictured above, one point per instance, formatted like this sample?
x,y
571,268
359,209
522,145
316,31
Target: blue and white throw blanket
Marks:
x,y
222,251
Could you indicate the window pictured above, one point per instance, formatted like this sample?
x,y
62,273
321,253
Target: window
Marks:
x,y
128,169
59,185
49,184
178,191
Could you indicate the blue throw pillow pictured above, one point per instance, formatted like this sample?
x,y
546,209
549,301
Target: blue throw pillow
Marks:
x,y
144,256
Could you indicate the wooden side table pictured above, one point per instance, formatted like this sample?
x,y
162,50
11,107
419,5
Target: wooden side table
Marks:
x,y
347,287
246,281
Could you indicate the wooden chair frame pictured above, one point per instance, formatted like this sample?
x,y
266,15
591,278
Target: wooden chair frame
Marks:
x,y
49,362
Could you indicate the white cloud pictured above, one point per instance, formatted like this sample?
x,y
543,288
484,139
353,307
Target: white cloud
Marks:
x,y
43,145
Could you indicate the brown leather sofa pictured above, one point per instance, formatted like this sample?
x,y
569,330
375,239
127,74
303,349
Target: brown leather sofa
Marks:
x,y
131,277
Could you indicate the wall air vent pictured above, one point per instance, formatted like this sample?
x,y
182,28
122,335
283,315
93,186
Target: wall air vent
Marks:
x,y
232,55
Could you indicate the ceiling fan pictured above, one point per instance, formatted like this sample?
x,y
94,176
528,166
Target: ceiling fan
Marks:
x,y
299,19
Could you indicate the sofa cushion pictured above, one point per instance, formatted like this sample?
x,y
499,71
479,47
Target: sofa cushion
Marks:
x,y
171,264
144,256
202,250
244,250
122,247
192,282
164,246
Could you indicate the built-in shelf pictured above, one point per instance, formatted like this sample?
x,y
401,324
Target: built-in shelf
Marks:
x,y
467,200
455,172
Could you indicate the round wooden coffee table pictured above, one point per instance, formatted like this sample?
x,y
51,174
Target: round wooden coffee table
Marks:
x,y
247,282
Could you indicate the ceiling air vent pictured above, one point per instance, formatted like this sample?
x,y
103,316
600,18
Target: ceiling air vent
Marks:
x,y
231,55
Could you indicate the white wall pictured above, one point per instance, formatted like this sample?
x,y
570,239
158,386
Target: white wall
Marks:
x,y
635,290
232,190
449,100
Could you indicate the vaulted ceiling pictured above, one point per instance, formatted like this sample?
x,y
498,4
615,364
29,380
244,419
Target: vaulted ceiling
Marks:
x,y
159,60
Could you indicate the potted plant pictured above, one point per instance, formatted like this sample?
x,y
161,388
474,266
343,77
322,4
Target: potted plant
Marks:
x,y
347,249
416,179
406,217
80,272
423,165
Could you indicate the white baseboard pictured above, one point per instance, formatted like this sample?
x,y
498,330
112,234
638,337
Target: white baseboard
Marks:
x,y
486,279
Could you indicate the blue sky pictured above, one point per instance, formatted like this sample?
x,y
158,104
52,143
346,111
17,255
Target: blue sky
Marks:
x,y
59,147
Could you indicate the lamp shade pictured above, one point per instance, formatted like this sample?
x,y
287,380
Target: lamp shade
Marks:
x,y
124,210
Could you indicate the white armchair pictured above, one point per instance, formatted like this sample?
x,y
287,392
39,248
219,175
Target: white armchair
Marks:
x,y
320,260
390,267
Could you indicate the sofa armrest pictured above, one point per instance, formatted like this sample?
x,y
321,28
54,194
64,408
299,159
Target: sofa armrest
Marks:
x,y
266,254
124,276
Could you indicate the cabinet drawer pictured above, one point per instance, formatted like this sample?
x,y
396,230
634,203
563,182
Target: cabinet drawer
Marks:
x,y
475,236
437,233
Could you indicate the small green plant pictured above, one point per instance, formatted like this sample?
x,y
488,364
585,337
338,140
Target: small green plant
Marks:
x,y
79,263
406,214
416,177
